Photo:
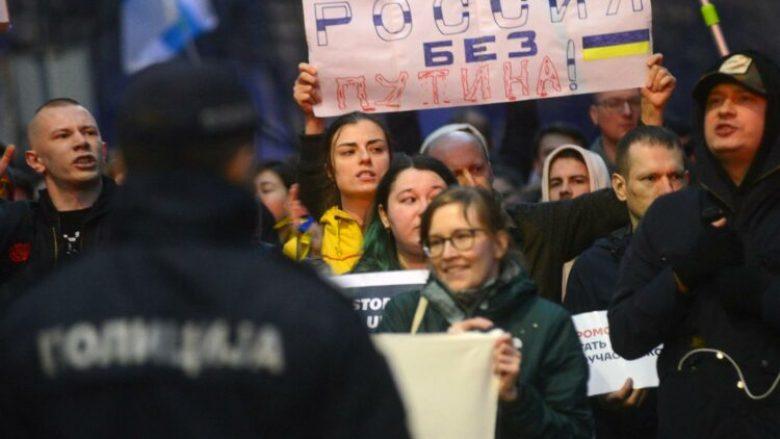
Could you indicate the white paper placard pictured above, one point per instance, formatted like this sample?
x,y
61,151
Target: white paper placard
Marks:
x,y
398,55
608,370
446,382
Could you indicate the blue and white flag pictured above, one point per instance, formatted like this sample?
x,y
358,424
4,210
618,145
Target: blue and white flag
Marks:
x,y
154,31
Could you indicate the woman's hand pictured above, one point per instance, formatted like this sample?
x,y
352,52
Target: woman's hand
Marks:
x,y
306,93
506,365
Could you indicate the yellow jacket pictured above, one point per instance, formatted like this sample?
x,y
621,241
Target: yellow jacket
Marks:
x,y
342,241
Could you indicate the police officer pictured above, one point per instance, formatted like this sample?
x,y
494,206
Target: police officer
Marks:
x,y
183,328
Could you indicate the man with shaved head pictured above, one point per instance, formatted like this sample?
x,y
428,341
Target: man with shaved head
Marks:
x,y
66,149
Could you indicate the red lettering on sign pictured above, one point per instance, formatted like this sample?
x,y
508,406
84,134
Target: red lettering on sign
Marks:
x,y
510,79
548,77
481,83
393,99
359,83
438,93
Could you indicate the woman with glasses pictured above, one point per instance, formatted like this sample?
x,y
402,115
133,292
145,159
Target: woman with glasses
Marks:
x,y
477,284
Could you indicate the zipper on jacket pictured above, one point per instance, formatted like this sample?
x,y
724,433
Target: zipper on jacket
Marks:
x,y
56,249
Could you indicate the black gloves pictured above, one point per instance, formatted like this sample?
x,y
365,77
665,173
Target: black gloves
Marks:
x,y
715,248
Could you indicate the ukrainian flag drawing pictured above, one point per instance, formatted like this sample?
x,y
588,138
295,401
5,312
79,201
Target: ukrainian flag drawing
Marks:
x,y
616,45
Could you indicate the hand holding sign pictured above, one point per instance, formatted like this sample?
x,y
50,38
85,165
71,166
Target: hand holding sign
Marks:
x,y
626,398
307,94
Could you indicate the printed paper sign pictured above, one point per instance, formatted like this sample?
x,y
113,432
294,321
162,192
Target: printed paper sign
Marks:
x,y
608,370
446,382
398,55
370,292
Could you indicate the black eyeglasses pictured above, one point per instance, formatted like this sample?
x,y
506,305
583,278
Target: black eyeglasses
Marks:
x,y
461,239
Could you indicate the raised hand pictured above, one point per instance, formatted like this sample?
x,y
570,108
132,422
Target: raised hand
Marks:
x,y
657,91
306,93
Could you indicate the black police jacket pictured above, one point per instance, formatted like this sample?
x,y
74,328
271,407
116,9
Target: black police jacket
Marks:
x,y
184,328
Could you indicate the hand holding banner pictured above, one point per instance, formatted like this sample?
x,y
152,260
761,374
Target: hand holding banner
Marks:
x,y
397,55
5,19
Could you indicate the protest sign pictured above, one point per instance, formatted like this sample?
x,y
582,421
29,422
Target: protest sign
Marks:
x,y
446,382
398,55
608,370
370,292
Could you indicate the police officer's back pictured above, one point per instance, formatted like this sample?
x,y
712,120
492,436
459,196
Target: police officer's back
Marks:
x,y
183,328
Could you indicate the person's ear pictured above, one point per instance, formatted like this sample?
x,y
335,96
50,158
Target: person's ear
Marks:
x,y
619,186
502,244
594,114
34,161
383,217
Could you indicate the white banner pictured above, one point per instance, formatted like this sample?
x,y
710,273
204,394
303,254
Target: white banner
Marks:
x,y
608,370
397,55
446,382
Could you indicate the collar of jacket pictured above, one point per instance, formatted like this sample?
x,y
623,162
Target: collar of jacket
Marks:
x,y
184,206
100,208
505,294
617,242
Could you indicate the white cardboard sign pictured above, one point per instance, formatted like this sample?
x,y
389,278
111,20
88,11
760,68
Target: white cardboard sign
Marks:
x,y
397,55
608,370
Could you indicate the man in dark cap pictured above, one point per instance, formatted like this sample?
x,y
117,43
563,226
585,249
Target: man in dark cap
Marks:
x,y
701,274
183,328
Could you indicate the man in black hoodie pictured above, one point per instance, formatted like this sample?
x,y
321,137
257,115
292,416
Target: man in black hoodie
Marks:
x,y
66,149
184,328
701,274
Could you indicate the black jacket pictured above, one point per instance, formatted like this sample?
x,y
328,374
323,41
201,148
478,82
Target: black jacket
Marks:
x,y
185,329
592,282
700,398
28,237
551,234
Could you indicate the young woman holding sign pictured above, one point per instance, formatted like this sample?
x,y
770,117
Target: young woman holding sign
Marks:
x,y
392,239
476,284
338,176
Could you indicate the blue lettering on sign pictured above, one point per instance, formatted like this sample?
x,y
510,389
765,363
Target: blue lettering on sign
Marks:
x,y
438,58
474,49
527,43
330,14
379,24
509,22
614,6
558,13
451,28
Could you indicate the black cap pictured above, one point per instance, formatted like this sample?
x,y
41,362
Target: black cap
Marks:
x,y
180,105
739,68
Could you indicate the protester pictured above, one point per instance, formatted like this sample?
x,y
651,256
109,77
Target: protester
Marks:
x,y
183,328
700,275
650,163
273,182
570,171
615,113
392,240
339,171
464,150
66,149
545,141
477,284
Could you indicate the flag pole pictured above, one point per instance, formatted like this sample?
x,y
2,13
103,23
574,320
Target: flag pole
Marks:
x,y
712,20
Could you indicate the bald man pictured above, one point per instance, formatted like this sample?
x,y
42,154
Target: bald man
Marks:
x,y
66,149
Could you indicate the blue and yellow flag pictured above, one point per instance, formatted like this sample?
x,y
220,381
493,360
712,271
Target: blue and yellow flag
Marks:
x,y
616,45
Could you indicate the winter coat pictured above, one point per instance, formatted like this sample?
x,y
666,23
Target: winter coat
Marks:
x,y
29,232
553,372
550,234
185,329
699,397
592,282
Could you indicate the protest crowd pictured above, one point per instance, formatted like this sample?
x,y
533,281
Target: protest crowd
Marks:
x,y
179,285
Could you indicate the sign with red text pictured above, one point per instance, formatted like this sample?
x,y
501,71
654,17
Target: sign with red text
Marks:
x,y
397,55
608,370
